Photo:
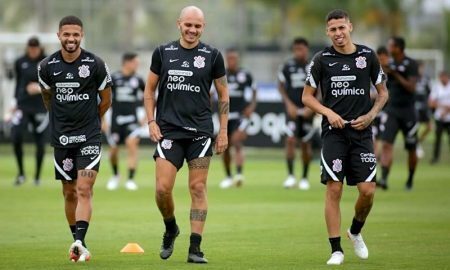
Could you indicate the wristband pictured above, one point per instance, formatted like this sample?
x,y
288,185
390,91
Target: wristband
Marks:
x,y
149,122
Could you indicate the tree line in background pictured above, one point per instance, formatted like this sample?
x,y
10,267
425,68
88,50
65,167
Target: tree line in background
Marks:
x,y
251,24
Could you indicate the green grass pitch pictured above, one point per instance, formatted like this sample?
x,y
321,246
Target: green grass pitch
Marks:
x,y
259,226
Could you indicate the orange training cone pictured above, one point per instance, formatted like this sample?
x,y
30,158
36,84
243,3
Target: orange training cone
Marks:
x,y
132,248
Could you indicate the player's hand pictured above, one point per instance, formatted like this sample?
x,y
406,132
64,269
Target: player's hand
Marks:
x,y
291,110
155,132
362,122
335,120
221,141
33,88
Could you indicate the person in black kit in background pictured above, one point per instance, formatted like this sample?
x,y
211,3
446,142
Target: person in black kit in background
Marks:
x,y
240,82
183,71
291,80
127,92
344,73
378,122
76,89
423,90
401,114
29,108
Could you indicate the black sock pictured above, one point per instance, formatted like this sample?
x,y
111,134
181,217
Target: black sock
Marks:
x,y
290,164
239,169
171,225
40,151
305,170
131,173
335,243
228,172
82,227
115,170
195,242
384,173
411,176
73,229
18,151
356,226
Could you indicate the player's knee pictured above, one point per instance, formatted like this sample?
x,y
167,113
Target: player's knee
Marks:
x,y
334,191
84,191
291,141
367,192
162,191
198,190
70,195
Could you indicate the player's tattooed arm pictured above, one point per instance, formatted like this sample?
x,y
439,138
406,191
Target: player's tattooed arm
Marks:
x,y
224,107
198,215
364,121
199,163
47,98
105,101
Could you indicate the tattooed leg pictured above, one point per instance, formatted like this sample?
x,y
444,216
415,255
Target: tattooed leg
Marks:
x,y
85,184
198,173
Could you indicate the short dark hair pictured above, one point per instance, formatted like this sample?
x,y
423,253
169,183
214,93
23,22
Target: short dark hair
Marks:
x,y
300,41
128,56
70,20
337,14
399,42
232,50
33,42
382,50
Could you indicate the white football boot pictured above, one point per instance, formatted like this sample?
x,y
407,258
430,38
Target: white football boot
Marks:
x,y
290,181
337,258
358,244
238,180
226,183
113,183
304,184
131,185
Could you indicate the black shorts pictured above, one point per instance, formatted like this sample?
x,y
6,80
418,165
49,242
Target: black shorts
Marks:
x,y
302,128
119,133
68,161
176,151
21,120
348,154
237,124
378,125
404,120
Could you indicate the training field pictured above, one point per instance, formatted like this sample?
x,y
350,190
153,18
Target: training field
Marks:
x,y
260,226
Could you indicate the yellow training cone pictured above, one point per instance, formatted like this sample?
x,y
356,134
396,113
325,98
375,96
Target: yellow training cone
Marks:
x,y
132,248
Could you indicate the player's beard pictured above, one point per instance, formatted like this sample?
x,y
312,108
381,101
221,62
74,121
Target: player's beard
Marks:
x,y
70,47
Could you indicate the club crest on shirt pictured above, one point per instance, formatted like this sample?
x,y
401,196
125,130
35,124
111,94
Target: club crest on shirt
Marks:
x,y
241,77
337,165
83,71
199,61
361,62
67,164
166,144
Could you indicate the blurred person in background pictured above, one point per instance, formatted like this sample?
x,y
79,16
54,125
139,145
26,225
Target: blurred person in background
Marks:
x,y
127,92
440,101
378,122
402,74
299,127
240,84
29,109
183,71
423,90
